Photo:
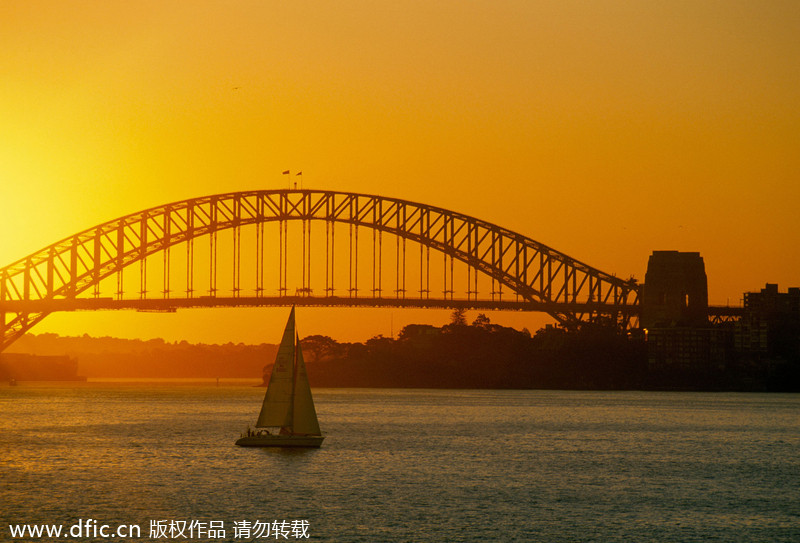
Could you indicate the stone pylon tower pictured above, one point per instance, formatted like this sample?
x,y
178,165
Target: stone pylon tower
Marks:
x,y
675,290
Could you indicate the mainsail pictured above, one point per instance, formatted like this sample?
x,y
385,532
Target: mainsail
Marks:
x,y
288,402
305,416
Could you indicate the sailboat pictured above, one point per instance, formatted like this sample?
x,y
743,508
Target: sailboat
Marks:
x,y
288,417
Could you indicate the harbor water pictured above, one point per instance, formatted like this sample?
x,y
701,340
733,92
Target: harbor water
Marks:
x,y
403,465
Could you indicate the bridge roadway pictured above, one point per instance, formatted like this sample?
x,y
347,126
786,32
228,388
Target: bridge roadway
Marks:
x,y
715,313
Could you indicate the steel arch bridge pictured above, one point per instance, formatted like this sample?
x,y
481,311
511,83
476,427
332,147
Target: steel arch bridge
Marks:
x,y
535,276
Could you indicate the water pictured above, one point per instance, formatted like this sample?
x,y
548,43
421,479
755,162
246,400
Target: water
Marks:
x,y
410,465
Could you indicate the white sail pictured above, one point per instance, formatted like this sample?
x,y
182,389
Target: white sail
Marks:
x,y
305,416
277,407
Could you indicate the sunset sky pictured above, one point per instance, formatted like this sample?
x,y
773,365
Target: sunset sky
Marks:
x,y
604,129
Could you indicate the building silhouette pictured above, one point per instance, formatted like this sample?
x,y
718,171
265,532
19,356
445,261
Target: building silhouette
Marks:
x,y
767,337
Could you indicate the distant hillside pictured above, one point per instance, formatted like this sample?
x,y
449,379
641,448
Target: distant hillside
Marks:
x,y
480,355
114,357
456,355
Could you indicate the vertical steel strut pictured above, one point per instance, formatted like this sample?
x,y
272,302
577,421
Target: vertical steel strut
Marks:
x,y
531,271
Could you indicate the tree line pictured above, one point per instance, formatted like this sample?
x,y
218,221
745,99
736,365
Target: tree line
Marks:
x,y
480,355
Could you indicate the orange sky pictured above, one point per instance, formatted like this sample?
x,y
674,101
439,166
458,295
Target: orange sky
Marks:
x,y
604,129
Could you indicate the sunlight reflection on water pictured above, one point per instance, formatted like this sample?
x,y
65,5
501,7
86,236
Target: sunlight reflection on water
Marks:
x,y
411,465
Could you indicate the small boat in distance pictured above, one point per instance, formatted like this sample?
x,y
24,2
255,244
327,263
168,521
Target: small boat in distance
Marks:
x,y
288,417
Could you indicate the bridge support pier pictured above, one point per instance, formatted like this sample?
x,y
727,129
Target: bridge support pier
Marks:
x,y
675,290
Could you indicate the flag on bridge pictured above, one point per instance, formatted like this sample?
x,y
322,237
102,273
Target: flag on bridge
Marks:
x,y
286,172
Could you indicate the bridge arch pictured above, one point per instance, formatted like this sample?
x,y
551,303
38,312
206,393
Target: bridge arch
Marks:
x,y
540,277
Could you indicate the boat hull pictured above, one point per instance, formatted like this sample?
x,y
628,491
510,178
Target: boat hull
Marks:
x,y
273,440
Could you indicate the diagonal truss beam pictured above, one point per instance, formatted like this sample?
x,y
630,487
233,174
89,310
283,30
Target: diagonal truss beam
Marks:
x,y
570,290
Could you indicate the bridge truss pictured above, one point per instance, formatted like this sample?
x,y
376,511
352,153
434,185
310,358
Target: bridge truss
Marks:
x,y
431,257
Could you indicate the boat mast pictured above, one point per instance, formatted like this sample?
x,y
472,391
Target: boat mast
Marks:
x,y
294,379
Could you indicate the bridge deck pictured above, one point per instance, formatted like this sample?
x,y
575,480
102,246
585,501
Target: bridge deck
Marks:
x,y
172,304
